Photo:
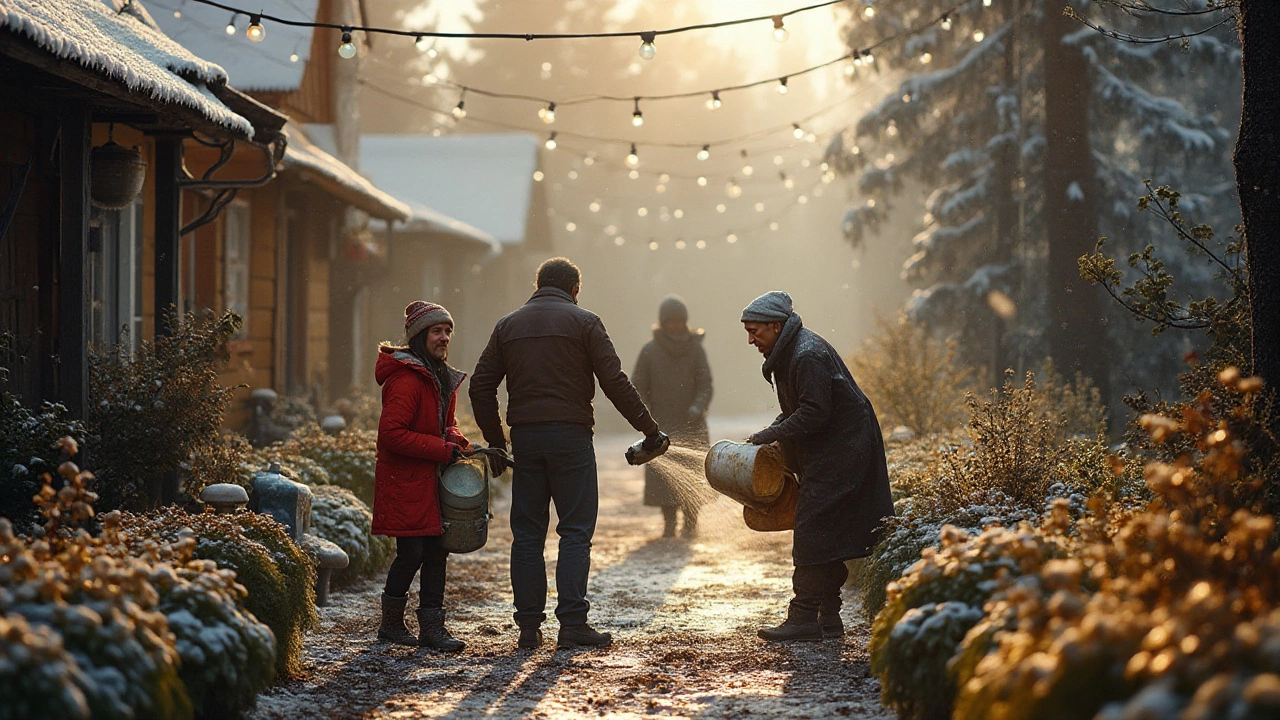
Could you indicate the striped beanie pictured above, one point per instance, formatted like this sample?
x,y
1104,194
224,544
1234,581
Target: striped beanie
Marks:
x,y
420,315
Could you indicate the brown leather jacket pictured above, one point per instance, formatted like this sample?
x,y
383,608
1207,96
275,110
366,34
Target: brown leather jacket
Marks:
x,y
548,351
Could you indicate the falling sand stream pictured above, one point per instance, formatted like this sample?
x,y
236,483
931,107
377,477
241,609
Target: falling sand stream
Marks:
x,y
683,615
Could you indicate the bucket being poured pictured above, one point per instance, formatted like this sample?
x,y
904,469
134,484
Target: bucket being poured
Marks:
x,y
753,475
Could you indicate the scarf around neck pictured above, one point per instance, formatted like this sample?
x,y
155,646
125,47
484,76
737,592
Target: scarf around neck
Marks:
x,y
786,339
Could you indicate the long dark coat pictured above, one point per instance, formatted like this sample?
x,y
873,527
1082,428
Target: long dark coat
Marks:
x,y
831,437
673,375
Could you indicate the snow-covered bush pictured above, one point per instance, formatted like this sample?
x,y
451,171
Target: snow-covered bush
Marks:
x,y
38,678
338,516
277,575
29,449
153,408
916,655
1167,612
348,458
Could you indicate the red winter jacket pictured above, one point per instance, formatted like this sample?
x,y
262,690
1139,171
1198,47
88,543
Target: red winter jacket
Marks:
x,y
413,438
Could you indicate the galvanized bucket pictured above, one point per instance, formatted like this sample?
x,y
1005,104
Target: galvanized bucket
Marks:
x,y
753,475
464,505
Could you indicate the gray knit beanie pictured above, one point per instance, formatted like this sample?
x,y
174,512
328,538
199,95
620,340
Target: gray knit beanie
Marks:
x,y
672,307
773,306
419,316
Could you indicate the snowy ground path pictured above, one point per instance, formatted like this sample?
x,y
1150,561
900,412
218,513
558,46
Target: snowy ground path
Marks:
x,y
683,615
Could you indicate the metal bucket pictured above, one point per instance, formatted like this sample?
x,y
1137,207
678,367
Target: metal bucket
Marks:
x,y
753,475
464,505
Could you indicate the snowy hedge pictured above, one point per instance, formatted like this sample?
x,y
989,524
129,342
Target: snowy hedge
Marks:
x,y
338,516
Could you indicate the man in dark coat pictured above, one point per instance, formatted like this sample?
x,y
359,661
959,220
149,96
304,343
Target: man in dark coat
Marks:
x,y
551,353
831,439
674,378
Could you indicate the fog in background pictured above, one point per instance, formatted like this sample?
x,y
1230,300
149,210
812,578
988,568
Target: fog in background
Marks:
x,y
838,290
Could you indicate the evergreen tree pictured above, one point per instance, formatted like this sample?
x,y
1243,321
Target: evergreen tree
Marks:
x,y
1028,136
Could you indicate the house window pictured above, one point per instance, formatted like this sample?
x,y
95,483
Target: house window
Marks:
x,y
115,276
235,261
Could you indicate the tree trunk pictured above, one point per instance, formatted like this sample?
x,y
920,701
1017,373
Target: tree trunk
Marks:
x,y
1008,194
1076,333
1257,161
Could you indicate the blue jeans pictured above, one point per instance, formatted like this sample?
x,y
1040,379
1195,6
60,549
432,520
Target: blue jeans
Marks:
x,y
556,463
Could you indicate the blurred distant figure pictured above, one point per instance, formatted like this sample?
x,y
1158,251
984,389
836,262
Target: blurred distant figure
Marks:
x,y
831,439
674,378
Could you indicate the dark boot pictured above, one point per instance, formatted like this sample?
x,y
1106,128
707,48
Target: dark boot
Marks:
x,y
392,627
530,638
582,636
433,634
668,522
690,529
830,622
800,625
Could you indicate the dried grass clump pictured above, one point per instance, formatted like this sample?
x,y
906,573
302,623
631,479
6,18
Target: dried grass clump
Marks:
x,y
913,378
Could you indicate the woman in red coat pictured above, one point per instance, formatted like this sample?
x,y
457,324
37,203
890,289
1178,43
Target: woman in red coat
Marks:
x,y
417,436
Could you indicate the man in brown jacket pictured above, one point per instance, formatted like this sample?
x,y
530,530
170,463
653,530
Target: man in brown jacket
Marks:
x,y
551,353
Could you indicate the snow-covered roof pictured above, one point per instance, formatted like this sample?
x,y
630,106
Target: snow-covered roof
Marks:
x,y
254,67
425,219
123,44
338,178
484,180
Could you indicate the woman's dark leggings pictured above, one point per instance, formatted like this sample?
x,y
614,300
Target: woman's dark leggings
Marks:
x,y
413,554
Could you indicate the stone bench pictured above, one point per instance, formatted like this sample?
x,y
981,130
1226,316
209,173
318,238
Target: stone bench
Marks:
x,y
289,502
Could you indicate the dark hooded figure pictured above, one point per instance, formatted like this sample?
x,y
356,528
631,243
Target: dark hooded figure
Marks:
x,y
674,378
831,439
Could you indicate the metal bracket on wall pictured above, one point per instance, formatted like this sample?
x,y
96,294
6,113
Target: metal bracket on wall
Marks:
x,y
273,153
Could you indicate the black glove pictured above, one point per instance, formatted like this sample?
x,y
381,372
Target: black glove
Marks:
x,y
455,454
498,462
652,442
760,437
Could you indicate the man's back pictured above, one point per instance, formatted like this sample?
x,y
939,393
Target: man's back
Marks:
x,y
551,352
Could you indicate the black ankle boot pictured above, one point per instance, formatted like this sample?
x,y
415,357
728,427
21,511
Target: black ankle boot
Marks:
x,y
433,634
582,636
392,626
799,625
530,638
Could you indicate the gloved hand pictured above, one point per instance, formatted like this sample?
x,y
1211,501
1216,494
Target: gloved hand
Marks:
x,y
760,437
497,461
455,454
651,442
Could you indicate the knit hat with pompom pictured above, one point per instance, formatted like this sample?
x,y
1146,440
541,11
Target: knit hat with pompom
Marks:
x,y
420,315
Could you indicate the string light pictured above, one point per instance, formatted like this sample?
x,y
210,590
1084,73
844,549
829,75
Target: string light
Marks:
x,y
759,207
460,110
653,244
731,238
594,206
634,174
647,49
869,12
705,152
986,3
733,189
787,182
713,103
796,131
664,178
720,208
551,142
926,58
702,181
293,57
978,35
678,213
746,167
422,43
347,50
231,24
680,244
782,85
779,32
548,113
637,117
571,226
946,22
642,211
255,32
773,225
867,57
538,176
632,158
588,160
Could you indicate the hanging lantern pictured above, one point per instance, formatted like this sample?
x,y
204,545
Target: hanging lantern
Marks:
x,y
116,175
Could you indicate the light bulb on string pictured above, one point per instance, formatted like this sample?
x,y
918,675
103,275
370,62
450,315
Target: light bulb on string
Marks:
x,y
538,176
422,42
637,117
733,189
653,244
664,178
255,32
869,12
787,182
551,142
810,137
779,32
660,188
926,58
731,238
702,245
642,211
867,57
782,85
347,49
986,3
588,160
293,57
777,160
647,49
678,213
594,206
571,226
946,22
705,152
759,207
773,225
460,110
746,164
978,35
702,181
713,103
721,207
634,174
796,131
619,241
680,244
633,159
851,68
231,24
548,114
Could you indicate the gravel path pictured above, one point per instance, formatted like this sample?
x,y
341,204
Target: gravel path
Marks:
x,y
683,615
